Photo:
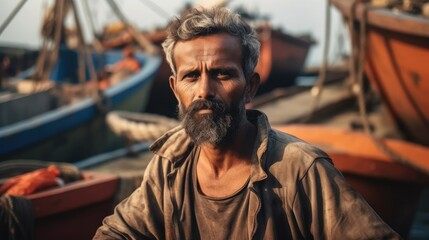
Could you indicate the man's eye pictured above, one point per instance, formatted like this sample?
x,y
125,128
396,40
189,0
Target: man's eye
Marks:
x,y
191,76
223,74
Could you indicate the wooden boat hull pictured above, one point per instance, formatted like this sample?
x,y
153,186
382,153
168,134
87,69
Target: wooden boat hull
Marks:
x,y
396,60
78,130
81,207
282,58
391,188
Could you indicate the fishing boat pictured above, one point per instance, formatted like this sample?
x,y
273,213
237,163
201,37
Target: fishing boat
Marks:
x,y
39,125
80,207
55,111
282,58
396,57
73,210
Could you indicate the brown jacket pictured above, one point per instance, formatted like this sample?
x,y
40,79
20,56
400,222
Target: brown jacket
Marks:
x,y
295,193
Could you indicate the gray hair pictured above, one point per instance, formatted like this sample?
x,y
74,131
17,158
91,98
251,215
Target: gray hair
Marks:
x,y
195,22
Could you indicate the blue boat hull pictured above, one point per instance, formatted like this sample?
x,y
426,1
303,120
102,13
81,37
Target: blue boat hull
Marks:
x,y
78,130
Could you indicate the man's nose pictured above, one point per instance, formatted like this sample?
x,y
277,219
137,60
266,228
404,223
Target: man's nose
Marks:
x,y
206,87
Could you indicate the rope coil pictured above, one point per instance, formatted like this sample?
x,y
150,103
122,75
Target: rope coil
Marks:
x,y
139,127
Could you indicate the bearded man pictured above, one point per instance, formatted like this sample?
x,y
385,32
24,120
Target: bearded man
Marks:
x,y
224,173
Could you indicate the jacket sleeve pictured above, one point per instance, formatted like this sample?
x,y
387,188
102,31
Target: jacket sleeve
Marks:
x,y
330,209
140,216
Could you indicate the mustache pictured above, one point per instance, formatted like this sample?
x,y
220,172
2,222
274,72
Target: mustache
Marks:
x,y
215,105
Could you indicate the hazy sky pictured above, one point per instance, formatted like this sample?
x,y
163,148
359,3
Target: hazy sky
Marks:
x,y
294,16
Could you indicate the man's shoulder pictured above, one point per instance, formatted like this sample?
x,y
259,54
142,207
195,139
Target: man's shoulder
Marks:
x,y
288,153
295,146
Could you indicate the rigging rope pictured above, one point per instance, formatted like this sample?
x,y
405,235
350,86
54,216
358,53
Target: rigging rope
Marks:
x,y
139,126
12,15
16,216
85,54
96,41
145,43
316,90
157,9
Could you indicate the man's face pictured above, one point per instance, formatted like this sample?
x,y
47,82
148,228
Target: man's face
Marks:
x,y
210,87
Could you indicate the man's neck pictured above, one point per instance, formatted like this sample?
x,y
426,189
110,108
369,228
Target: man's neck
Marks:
x,y
223,169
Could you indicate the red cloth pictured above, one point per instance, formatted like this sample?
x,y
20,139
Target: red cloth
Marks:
x,y
129,64
31,182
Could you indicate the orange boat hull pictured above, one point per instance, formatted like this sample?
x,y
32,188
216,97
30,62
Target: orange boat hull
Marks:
x,y
396,63
282,58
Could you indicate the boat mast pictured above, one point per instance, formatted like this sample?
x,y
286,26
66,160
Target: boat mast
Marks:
x,y
137,35
12,15
4,26
52,31
96,44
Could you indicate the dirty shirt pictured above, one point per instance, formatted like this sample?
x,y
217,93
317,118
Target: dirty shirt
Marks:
x,y
294,192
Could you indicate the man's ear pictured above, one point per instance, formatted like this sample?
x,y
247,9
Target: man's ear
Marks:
x,y
172,81
252,86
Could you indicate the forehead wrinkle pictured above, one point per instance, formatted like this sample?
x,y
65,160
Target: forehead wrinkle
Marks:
x,y
206,53
190,63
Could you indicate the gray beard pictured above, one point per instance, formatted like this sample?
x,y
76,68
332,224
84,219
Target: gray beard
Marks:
x,y
215,128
